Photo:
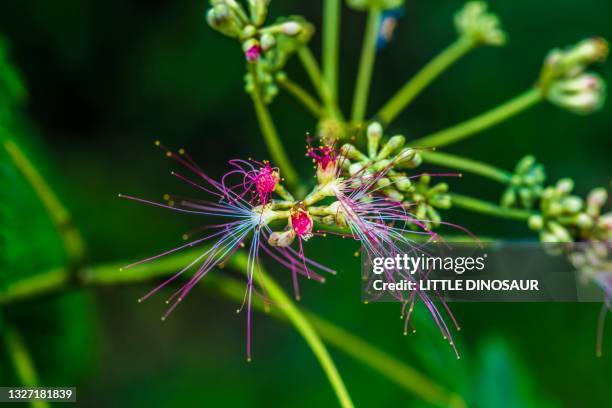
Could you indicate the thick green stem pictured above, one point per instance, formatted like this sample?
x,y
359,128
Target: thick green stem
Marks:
x,y
331,41
408,378
403,375
301,95
277,151
70,236
366,65
424,77
314,73
303,326
19,355
485,207
481,122
469,165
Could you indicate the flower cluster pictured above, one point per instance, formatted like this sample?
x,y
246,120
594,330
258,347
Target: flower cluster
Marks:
x,y
526,185
416,191
565,82
475,23
565,218
256,212
268,46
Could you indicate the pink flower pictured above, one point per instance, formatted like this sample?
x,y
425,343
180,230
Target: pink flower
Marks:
x,y
243,224
258,179
325,158
253,53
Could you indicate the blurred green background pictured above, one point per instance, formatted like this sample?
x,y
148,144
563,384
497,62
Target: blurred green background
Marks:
x,y
107,78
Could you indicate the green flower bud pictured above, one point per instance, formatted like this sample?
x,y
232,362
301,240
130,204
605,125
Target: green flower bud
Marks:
x,y
403,183
478,25
393,194
560,232
392,145
374,134
267,41
282,239
565,186
355,168
259,11
572,204
379,4
535,222
582,95
408,158
223,20
351,152
582,220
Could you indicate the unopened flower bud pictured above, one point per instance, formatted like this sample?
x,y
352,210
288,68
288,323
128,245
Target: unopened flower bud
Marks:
x,y
559,231
221,18
393,194
374,134
267,41
291,28
572,204
408,158
582,220
443,201
392,145
259,11
301,223
355,168
252,50
282,239
403,183
478,25
605,221
565,186
351,152
597,197
582,95
535,222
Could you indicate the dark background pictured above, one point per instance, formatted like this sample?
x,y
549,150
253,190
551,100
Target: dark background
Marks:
x,y
107,78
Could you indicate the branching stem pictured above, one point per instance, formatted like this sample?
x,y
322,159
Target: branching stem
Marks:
x,y
481,122
424,77
366,65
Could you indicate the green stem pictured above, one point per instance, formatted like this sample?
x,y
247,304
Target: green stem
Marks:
x,y
277,151
403,375
331,40
301,95
481,122
303,326
366,65
17,351
408,378
463,164
314,73
485,207
70,236
423,78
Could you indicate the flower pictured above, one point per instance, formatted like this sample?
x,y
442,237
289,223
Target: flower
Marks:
x,y
244,223
325,157
475,23
583,94
301,222
258,179
565,82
